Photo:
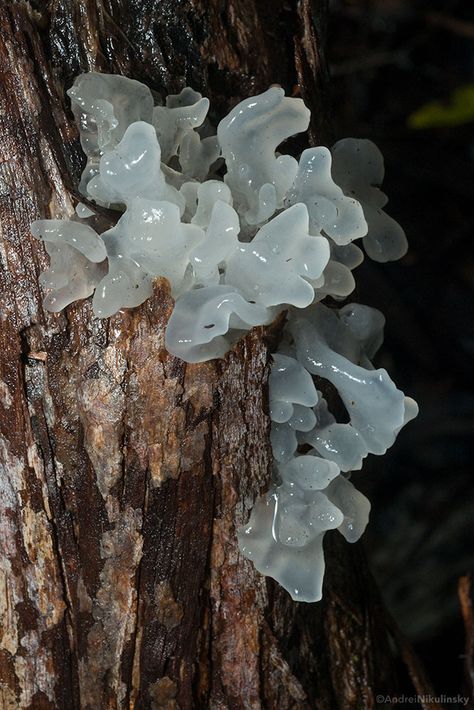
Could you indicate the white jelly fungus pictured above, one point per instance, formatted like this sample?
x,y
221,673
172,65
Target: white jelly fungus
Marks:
x,y
242,233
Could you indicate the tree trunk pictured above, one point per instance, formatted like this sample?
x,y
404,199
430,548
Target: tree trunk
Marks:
x,y
124,471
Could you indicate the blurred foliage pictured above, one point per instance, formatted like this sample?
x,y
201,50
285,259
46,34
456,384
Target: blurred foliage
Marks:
x,y
458,111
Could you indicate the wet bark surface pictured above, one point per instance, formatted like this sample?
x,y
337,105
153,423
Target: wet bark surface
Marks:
x,y
124,472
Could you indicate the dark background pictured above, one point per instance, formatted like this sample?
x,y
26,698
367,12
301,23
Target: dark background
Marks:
x,y
387,60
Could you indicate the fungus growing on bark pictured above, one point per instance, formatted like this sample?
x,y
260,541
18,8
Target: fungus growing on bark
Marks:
x,y
269,234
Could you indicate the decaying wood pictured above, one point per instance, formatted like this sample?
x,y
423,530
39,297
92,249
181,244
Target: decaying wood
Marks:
x,y
124,472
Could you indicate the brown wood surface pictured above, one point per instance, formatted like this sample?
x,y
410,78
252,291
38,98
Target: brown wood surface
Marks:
x,y
124,473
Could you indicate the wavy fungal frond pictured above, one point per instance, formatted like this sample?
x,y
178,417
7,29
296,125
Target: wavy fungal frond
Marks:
x,y
272,234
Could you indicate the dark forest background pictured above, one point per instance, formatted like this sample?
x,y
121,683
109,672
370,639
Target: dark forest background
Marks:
x,y
403,75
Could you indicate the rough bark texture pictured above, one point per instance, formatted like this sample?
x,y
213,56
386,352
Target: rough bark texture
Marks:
x,y
124,472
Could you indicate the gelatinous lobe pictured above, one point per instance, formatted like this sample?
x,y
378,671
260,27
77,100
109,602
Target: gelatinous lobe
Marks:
x,y
77,261
276,266
104,105
200,322
249,137
284,536
330,211
149,240
359,170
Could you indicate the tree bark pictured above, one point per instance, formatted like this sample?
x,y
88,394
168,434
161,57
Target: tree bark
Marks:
x,y
125,472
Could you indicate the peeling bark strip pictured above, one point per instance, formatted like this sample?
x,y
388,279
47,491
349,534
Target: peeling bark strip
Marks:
x,y
125,473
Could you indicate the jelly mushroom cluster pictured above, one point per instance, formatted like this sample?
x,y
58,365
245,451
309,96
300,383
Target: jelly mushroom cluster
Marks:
x,y
243,233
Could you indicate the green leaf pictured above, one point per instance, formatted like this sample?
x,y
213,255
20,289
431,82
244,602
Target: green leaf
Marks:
x,y
458,111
